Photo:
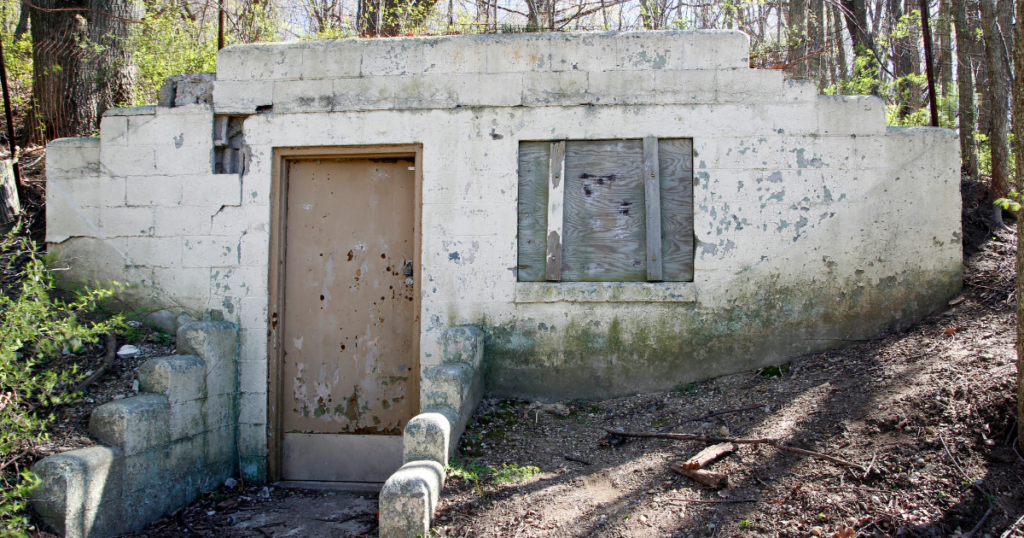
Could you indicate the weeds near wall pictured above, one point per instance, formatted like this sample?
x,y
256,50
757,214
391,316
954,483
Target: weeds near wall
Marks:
x,y
474,472
41,331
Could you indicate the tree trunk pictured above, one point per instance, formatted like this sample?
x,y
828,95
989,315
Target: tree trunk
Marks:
x,y
945,35
981,84
1018,149
856,13
903,53
22,27
1004,17
837,39
965,87
389,18
796,34
815,41
998,81
81,66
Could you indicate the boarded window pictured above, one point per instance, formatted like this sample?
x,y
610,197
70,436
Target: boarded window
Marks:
x,y
606,210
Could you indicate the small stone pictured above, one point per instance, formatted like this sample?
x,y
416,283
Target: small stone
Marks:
x,y
211,513
816,531
723,431
230,483
135,386
128,352
643,518
875,499
711,525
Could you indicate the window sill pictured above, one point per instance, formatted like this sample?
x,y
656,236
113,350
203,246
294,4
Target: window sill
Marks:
x,y
606,292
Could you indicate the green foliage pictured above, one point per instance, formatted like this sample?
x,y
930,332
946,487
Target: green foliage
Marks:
x,y
169,43
36,329
985,154
1012,202
510,473
468,471
474,472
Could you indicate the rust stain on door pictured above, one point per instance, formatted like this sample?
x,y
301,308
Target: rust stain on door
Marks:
x,y
348,300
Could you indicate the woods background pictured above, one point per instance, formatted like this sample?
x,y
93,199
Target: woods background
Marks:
x,y
69,60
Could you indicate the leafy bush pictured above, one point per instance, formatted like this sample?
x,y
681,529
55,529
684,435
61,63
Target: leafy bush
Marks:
x,y
39,335
512,473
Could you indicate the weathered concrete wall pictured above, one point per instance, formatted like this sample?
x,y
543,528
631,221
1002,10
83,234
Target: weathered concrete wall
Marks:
x,y
163,447
815,225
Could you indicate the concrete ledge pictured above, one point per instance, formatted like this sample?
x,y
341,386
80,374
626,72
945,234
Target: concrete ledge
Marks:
x,y
427,437
168,445
455,387
408,499
606,292
180,378
79,492
449,393
132,424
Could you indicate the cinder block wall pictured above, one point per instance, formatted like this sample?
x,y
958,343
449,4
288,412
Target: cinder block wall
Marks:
x,y
814,224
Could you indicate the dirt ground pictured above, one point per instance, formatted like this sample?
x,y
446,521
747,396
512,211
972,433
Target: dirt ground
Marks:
x,y
930,413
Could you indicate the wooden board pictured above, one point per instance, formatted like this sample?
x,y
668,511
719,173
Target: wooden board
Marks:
x,y
675,158
604,229
652,205
533,209
556,195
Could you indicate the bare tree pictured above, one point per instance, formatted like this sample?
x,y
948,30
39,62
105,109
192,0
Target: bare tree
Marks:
x,y
945,47
999,80
797,37
965,88
1018,150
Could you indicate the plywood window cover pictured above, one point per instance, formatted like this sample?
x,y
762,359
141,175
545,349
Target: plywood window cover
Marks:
x,y
536,160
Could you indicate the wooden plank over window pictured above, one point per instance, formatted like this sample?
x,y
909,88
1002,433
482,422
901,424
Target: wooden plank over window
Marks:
x,y
533,210
609,211
676,174
556,197
652,205
605,240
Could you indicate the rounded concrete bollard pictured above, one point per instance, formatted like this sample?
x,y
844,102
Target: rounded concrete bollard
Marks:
x,y
408,499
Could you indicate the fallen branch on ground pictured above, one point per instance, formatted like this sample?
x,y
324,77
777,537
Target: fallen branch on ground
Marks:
x,y
727,412
980,523
714,501
690,468
108,362
715,439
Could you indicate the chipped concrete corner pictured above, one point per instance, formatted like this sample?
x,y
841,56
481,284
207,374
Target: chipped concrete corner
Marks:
x,y
814,224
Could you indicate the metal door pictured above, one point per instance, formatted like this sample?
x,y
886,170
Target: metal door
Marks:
x,y
350,377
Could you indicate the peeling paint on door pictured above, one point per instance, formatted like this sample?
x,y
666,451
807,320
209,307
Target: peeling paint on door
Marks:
x,y
351,367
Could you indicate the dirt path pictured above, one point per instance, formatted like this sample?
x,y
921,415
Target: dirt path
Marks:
x,y
894,404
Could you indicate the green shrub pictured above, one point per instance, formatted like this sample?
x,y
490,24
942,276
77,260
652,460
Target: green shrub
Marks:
x,y
39,335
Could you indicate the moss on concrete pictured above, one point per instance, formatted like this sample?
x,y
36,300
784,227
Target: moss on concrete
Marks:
x,y
655,346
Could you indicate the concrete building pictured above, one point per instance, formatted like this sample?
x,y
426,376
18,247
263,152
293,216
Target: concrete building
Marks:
x,y
616,212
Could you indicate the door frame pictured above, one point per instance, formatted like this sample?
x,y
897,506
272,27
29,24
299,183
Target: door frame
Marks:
x,y
275,308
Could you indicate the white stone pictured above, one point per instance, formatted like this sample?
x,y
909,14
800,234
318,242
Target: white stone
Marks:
x,y
128,352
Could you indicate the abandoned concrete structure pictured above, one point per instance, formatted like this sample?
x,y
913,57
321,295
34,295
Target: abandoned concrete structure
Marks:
x,y
612,212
